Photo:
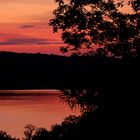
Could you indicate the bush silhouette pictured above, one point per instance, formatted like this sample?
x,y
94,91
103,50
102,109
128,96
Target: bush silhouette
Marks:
x,y
5,136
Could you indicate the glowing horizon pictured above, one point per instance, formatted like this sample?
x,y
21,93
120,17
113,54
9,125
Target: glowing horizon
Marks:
x,y
33,91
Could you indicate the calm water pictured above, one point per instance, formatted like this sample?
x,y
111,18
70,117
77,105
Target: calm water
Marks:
x,y
37,107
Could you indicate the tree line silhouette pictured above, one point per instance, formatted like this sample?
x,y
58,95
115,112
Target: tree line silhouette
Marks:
x,y
28,71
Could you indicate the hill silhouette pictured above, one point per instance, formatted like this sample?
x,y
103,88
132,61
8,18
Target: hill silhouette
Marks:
x,y
40,71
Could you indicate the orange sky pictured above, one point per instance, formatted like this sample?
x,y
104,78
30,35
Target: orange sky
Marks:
x,y
24,26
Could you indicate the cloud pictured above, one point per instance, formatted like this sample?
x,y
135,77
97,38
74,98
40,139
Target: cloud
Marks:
x,y
28,41
27,26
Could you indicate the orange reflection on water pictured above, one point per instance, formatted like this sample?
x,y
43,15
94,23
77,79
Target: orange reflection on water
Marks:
x,y
40,110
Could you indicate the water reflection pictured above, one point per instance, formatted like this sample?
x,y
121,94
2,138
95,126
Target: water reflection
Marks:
x,y
38,108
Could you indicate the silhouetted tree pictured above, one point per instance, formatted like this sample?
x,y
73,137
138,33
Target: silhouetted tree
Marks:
x,y
41,134
87,100
77,127
67,130
29,132
103,23
5,136
33,133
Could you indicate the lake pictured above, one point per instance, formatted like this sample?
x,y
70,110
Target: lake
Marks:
x,y
41,108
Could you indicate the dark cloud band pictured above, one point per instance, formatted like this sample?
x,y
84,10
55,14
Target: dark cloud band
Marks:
x,y
29,41
27,26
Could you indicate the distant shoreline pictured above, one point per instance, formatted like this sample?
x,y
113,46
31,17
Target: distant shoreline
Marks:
x,y
30,92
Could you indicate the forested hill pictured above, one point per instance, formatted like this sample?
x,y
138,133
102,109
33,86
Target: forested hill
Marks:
x,y
21,71
29,71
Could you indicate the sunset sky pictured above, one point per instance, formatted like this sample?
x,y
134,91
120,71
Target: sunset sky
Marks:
x,y
24,26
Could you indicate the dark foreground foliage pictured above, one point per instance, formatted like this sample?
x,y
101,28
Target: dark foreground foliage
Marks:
x,y
106,89
5,136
